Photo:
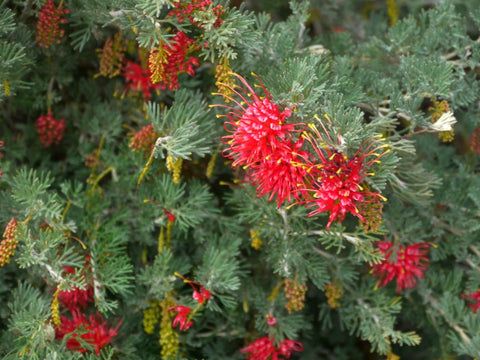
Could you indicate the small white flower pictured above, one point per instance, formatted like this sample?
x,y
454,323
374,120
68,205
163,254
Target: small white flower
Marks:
x,y
444,123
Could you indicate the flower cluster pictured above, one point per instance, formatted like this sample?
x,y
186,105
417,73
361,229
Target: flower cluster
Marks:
x,y
151,315
9,242
295,293
112,56
188,9
279,163
370,212
184,313
75,298
405,264
262,143
84,332
169,339
473,300
333,294
256,241
175,166
442,120
138,79
50,130
169,60
264,349
144,140
224,80
48,24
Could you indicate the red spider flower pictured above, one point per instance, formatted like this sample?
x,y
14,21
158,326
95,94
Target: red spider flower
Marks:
x,y
76,298
144,140
473,300
138,79
171,59
80,330
406,265
201,294
281,173
336,178
50,130
182,317
48,24
188,9
257,127
262,142
264,349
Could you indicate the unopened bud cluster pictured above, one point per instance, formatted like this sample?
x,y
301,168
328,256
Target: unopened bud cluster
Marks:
x,y
151,315
111,56
333,294
9,242
144,140
371,212
50,130
256,241
168,337
48,24
295,293
175,166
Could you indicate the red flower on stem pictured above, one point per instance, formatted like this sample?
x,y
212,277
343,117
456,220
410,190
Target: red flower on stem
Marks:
x,y
48,24
182,317
200,294
171,59
184,10
406,264
264,349
93,330
144,140
50,130
138,79
474,300
262,142
335,179
76,298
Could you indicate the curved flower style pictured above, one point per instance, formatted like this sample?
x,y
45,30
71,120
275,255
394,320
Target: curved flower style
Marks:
x,y
182,317
474,300
264,349
406,265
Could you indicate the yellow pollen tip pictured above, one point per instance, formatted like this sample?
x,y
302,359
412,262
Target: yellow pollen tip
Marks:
x,y
383,198
289,206
435,245
218,116
375,288
253,74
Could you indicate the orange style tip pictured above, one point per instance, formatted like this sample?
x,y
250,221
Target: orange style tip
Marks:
x,y
315,116
434,245
375,288
289,206
387,151
146,200
253,74
222,183
218,116
383,198
177,274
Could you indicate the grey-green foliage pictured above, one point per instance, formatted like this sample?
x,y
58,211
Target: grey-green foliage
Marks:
x,y
186,127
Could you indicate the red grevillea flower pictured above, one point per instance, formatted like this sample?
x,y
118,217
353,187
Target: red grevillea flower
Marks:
x,y
473,300
76,298
138,79
93,330
335,184
144,140
187,9
281,173
182,317
200,294
171,59
262,142
264,349
48,24
406,264
50,130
